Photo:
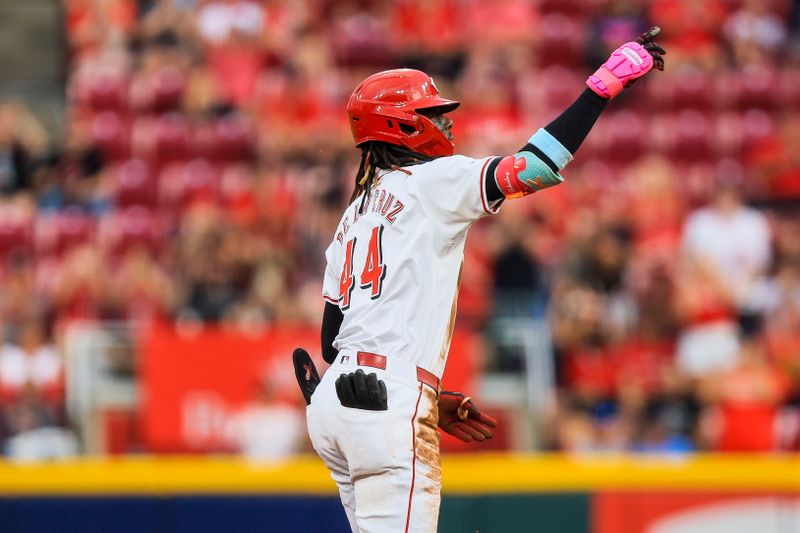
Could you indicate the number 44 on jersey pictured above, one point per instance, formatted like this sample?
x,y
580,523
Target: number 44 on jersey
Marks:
x,y
371,276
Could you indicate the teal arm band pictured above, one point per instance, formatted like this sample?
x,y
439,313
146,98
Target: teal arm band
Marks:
x,y
550,147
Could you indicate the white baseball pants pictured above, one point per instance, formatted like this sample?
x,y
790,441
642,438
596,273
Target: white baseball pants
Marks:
x,y
385,463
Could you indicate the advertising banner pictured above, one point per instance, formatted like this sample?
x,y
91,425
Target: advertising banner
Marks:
x,y
194,381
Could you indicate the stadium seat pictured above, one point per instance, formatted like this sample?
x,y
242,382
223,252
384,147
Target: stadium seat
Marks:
x,y
232,139
235,182
111,134
735,133
136,184
184,183
200,182
158,92
166,89
789,89
126,229
16,236
690,89
625,137
561,41
557,82
361,39
691,136
105,91
567,7
59,232
757,124
756,87
171,138
728,135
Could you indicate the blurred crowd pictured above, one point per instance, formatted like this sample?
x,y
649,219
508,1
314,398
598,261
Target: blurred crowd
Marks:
x,y
205,160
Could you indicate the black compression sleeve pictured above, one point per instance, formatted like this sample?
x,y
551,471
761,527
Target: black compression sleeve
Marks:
x,y
572,126
492,189
331,322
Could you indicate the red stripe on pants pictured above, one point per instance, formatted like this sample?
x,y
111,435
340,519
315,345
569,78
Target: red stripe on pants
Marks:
x,y
414,460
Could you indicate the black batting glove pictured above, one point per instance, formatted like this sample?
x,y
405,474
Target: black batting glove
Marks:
x,y
361,391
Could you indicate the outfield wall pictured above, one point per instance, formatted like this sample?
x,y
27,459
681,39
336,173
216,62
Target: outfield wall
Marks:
x,y
486,493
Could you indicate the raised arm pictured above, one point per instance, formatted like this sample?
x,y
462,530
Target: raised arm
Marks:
x,y
537,164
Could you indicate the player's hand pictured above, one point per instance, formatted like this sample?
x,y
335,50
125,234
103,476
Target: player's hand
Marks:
x,y
627,64
653,48
305,372
460,417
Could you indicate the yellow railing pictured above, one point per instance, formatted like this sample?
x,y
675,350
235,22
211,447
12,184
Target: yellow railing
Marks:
x,y
463,474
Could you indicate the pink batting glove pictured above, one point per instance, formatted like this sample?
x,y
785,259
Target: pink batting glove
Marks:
x,y
627,63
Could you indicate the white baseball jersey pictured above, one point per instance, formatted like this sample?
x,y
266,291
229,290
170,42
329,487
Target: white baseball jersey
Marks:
x,y
395,270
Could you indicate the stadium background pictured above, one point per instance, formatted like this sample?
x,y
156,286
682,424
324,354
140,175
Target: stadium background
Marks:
x,y
171,170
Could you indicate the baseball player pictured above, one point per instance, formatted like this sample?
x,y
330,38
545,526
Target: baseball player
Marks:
x,y
392,278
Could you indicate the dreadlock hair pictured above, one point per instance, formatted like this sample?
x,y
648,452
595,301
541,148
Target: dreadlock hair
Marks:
x,y
375,155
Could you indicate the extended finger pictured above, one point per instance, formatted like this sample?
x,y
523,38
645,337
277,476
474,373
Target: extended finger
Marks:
x,y
471,430
648,36
455,431
484,430
653,47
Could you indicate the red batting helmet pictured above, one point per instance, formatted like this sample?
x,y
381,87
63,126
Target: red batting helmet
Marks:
x,y
384,107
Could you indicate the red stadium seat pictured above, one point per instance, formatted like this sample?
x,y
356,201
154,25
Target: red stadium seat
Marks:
x,y
105,91
361,39
625,137
200,182
236,191
16,236
735,133
58,233
203,140
562,41
172,137
691,137
656,94
158,92
163,140
690,89
789,89
236,182
728,135
559,85
166,89
136,184
182,184
130,228
757,124
111,134
757,87
567,7
233,140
